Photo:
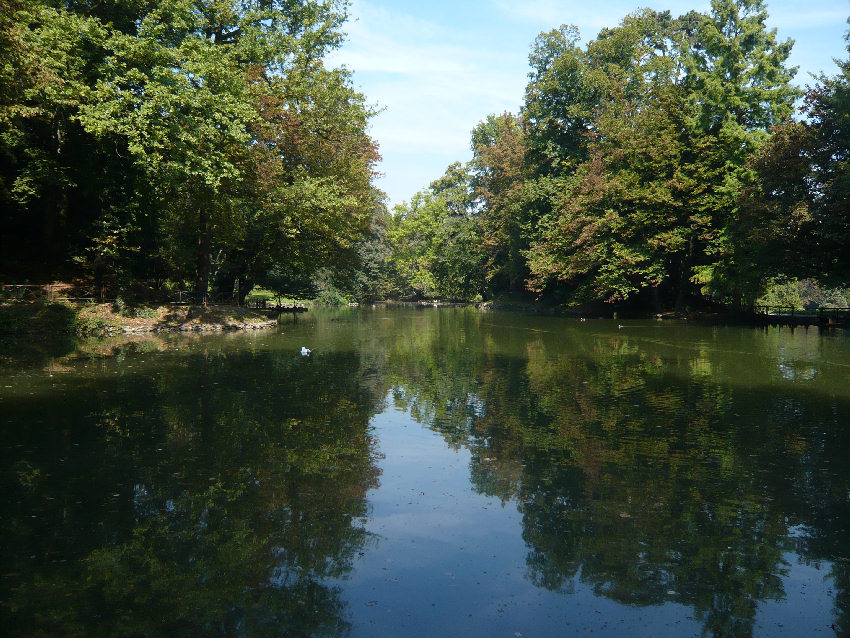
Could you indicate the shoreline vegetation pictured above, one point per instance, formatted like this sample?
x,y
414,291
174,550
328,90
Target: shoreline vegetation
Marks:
x,y
102,320
668,166
108,320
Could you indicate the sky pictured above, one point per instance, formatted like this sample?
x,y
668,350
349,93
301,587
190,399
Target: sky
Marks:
x,y
438,67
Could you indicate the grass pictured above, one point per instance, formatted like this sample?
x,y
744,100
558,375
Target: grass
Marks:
x,y
258,293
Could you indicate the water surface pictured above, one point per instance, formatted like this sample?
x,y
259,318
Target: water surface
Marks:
x,y
428,473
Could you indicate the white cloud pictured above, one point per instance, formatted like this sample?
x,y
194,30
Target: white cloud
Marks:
x,y
437,76
434,84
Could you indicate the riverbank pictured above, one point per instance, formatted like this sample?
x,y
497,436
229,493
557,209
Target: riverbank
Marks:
x,y
107,319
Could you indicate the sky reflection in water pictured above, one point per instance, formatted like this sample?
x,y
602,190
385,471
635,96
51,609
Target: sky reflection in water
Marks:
x,y
429,473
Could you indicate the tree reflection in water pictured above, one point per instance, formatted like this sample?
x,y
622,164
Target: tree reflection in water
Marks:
x,y
215,490
650,471
210,495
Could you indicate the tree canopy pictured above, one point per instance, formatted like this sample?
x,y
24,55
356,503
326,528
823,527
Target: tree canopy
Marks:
x,y
660,163
200,142
207,145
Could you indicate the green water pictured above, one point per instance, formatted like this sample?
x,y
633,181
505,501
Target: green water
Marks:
x,y
428,473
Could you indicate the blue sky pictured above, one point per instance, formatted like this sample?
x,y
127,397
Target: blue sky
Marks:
x,y
439,67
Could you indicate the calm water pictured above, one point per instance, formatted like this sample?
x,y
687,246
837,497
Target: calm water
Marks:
x,y
428,473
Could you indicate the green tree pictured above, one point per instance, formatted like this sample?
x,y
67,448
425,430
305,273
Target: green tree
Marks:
x,y
642,160
558,104
498,168
177,92
435,241
312,190
773,231
791,219
201,142
49,168
621,221
739,87
828,110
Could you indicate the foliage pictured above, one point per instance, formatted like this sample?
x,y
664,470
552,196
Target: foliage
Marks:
x,y
40,317
656,163
499,146
206,144
782,293
192,141
655,158
792,220
803,294
434,239
828,109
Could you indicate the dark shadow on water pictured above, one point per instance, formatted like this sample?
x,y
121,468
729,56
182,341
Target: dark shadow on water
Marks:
x,y
212,498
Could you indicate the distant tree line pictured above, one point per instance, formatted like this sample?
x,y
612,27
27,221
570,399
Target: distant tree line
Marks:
x,y
205,145
196,143
667,160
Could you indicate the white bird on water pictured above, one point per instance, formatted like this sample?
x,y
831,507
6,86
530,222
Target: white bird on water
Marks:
x,y
305,351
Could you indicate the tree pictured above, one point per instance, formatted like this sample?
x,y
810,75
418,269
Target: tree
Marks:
x,y
791,222
642,159
175,92
201,142
499,149
435,243
314,169
739,87
49,169
828,109
620,221
773,231
629,215
558,105
736,74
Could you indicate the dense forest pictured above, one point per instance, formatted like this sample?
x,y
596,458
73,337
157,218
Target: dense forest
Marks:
x,y
180,142
205,145
669,160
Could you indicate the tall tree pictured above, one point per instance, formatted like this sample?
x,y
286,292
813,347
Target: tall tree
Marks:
x,y
263,157
436,246
615,222
739,87
828,108
49,168
498,166
792,219
645,192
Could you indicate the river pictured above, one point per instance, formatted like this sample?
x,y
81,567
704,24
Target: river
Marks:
x,y
433,472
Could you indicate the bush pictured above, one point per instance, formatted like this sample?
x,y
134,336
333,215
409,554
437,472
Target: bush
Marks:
x,y
142,312
119,306
37,317
330,296
87,325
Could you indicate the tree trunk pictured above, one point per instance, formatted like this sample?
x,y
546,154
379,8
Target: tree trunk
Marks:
x,y
684,276
655,295
202,281
55,201
246,285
